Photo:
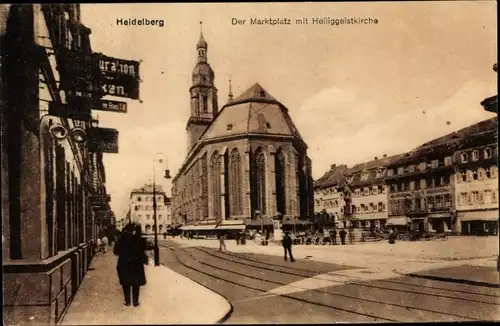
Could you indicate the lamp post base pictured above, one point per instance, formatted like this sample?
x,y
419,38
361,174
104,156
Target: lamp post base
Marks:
x,y
157,255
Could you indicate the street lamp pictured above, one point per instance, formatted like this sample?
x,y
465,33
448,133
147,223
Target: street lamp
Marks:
x,y
167,176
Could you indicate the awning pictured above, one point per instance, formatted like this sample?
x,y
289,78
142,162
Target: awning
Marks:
x,y
367,217
198,227
296,222
478,216
439,215
258,222
231,227
397,220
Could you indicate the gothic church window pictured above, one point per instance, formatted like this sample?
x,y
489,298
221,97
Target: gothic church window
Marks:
x,y
235,183
260,181
280,182
215,171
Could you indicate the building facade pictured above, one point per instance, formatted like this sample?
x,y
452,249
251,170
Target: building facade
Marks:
x,y
331,197
476,180
245,160
142,210
368,192
49,178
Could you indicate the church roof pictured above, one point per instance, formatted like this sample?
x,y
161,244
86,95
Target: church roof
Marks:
x,y
253,112
201,43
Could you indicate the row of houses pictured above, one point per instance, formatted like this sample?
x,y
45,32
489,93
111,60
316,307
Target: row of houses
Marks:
x,y
449,184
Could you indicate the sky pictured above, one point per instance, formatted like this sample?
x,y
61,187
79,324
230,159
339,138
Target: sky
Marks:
x,y
354,91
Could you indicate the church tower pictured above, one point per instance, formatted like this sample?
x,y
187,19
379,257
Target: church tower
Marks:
x,y
203,93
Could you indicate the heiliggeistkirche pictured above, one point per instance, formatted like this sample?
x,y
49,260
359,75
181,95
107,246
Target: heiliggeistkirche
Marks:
x,y
246,160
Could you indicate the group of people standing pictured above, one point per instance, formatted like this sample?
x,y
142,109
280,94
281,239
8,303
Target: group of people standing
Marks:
x,y
342,234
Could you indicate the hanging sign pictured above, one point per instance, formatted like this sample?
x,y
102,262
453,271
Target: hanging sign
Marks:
x,y
103,140
119,77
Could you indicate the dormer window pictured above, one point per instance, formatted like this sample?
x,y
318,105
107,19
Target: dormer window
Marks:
x,y
364,176
464,157
262,94
475,155
229,127
487,153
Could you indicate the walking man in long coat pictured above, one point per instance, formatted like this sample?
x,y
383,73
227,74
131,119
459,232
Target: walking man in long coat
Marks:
x,y
131,252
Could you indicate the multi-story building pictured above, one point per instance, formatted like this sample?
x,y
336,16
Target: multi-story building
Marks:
x,y
142,210
420,186
476,180
368,192
331,196
49,178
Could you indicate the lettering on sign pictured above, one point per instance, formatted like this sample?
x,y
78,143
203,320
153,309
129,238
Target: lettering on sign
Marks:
x,y
114,66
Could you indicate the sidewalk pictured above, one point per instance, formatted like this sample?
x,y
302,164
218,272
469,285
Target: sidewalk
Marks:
x,y
167,298
473,275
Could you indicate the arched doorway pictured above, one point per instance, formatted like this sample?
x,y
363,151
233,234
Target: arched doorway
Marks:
x,y
279,167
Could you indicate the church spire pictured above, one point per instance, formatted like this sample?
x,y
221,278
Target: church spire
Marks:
x,y
230,95
202,46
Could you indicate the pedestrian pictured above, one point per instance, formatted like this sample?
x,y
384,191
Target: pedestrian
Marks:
x,y
287,246
351,235
131,252
98,247
237,237
342,233
222,243
164,235
333,237
267,238
104,242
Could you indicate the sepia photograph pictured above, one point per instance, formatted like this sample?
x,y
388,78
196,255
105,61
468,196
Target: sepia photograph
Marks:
x,y
249,163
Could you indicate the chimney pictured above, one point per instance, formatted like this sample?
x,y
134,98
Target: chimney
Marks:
x,y
385,155
332,166
376,158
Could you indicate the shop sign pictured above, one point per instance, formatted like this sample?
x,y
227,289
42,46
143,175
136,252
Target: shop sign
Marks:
x,y
103,140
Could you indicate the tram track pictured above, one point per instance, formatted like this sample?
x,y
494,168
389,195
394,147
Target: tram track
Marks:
x,y
342,275
323,292
188,266
385,281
